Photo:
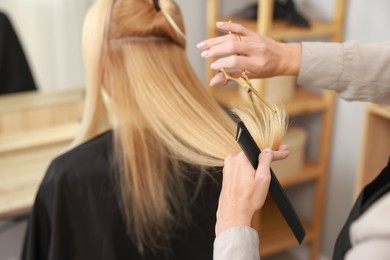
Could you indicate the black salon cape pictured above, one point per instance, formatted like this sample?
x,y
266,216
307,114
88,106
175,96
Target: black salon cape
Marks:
x,y
371,193
15,73
76,214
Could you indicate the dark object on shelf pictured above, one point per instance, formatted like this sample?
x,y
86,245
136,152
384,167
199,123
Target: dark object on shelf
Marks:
x,y
283,10
15,74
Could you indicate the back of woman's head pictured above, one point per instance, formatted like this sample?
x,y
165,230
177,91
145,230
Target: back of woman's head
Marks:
x,y
160,113
142,18
113,24
137,57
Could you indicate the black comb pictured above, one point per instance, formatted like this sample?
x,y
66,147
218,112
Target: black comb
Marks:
x,y
252,151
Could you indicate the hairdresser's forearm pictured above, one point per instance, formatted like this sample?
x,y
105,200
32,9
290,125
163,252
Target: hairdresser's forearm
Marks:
x,y
355,71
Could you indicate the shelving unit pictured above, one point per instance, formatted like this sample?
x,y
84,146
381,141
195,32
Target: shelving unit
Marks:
x,y
275,234
375,151
24,158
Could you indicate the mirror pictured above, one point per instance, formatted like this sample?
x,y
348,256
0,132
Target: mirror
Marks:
x,y
50,35
36,126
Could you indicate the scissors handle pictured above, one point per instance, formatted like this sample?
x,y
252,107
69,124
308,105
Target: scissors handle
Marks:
x,y
246,85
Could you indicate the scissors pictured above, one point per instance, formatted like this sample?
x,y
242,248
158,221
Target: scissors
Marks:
x,y
246,85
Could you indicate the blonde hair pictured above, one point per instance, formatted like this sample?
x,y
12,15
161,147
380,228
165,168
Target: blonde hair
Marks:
x,y
161,114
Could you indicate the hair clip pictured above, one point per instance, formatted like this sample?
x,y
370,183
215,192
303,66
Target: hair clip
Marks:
x,y
156,5
246,85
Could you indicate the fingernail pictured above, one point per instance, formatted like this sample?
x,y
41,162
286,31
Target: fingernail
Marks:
x,y
204,54
213,66
201,45
220,24
267,150
213,81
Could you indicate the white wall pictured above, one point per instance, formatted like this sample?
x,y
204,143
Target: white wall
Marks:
x,y
56,59
195,27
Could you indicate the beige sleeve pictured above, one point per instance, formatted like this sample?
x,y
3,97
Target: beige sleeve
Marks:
x,y
370,234
356,71
237,243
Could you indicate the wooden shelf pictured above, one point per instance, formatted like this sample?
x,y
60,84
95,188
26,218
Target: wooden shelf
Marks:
x,y
35,127
310,172
280,30
40,137
303,101
35,99
34,110
21,174
274,232
275,235
24,158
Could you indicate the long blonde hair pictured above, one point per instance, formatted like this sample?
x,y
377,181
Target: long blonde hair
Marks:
x,y
161,114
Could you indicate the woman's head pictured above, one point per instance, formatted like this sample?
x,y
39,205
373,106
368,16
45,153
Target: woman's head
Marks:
x,y
160,113
137,57
113,24
132,19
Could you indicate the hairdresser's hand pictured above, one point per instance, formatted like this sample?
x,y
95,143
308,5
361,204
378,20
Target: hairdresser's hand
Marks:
x,y
244,190
257,55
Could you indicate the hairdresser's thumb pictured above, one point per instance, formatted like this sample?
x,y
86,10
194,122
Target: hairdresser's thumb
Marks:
x,y
265,159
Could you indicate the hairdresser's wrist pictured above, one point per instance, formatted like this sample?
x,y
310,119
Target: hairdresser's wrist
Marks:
x,y
292,58
227,220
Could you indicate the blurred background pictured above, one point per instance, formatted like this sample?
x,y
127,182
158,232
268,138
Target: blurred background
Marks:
x,y
50,34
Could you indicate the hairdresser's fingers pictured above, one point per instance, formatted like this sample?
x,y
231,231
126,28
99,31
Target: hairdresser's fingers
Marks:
x,y
234,28
283,147
265,159
226,48
219,78
237,165
263,177
281,154
207,44
233,61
